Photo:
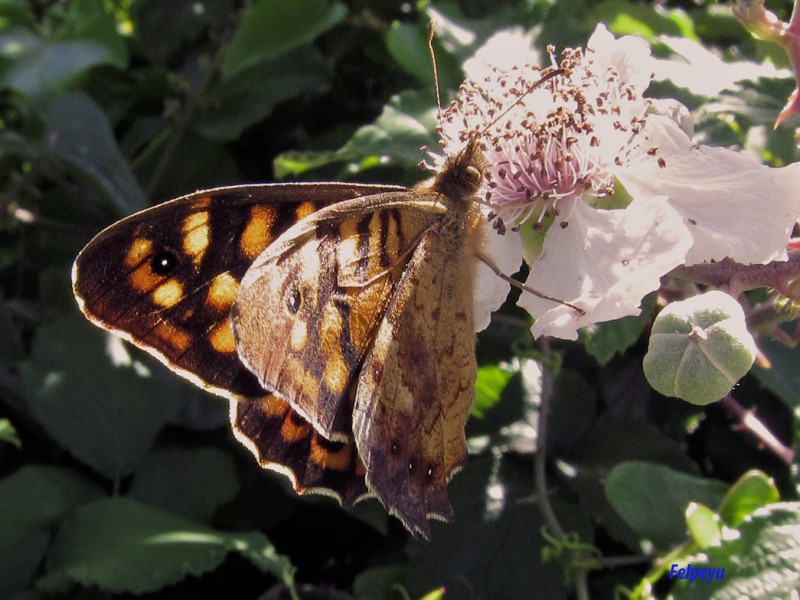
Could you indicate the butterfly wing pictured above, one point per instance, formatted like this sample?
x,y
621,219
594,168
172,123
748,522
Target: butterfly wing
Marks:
x,y
283,441
409,417
164,280
328,281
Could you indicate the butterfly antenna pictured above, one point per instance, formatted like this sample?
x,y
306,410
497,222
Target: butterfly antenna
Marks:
x,y
435,70
435,67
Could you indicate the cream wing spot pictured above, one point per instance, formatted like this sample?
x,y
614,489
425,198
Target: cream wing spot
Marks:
x,y
222,292
139,249
196,235
299,336
168,294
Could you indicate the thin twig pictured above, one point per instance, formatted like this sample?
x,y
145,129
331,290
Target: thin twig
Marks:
x,y
753,425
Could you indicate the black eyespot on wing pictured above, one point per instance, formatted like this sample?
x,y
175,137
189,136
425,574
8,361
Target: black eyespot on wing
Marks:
x,y
294,300
163,262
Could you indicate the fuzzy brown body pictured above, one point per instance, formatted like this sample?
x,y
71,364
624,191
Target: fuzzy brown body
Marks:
x,y
337,318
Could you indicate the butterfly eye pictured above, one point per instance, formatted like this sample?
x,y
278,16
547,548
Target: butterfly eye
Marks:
x,y
294,300
474,174
163,262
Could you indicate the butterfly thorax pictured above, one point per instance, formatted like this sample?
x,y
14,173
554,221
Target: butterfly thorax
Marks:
x,y
459,181
461,176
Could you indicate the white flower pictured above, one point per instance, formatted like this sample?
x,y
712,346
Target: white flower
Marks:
x,y
605,189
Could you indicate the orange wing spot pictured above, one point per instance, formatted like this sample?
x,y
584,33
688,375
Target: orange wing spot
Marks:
x,y
273,406
338,460
138,251
292,431
336,373
360,470
221,338
365,306
391,245
177,338
203,203
143,279
375,243
305,209
331,327
310,386
257,233
196,235
222,292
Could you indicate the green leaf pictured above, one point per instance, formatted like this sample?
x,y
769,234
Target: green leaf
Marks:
x,y
293,164
37,67
31,502
751,491
9,434
630,18
380,583
119,545
407,44
782,377
704,525
164,29
652,498
191,483
604,340
406,124
492,380
759,564
272,27
79,133
236,103
92,397
493,546
93,23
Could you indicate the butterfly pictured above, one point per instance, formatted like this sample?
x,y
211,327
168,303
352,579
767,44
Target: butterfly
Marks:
x,y
336,318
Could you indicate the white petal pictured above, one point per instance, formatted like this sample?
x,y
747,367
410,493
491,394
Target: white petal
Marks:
x,y
505,50
628,55
505,251
733,205
605,261
702,71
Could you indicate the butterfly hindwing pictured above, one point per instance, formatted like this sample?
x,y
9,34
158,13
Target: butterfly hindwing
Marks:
x,y
283,441
409,418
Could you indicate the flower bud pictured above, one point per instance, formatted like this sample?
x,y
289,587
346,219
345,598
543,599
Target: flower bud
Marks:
x,y
699,348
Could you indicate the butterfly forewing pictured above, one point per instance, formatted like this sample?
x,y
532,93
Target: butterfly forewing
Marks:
x,y
328,286
165,278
